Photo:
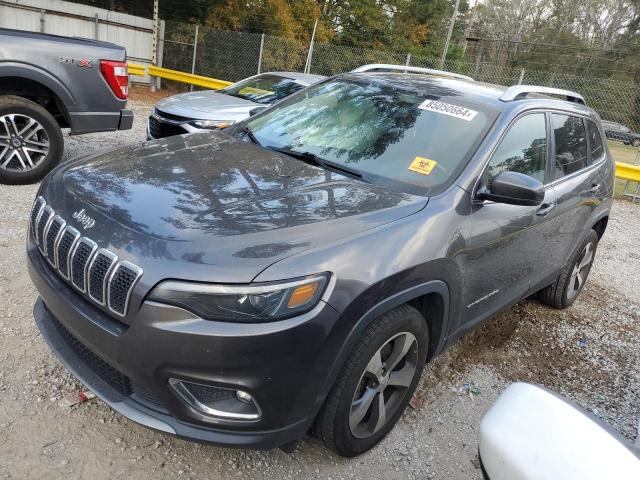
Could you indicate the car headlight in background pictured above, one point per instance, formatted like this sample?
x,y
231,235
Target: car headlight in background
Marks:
x,y
244,303
212,123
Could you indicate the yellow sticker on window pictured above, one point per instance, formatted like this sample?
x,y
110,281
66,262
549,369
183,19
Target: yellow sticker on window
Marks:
x,y
422,165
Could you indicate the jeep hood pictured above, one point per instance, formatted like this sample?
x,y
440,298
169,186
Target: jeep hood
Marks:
x,y
216,206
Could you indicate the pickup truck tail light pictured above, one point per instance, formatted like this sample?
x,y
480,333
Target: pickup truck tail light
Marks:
x,y
117,76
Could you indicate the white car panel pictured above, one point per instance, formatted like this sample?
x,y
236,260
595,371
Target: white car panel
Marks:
x,y
532,434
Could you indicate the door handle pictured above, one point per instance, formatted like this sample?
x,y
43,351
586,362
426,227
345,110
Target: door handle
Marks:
x,y
595,188
545,208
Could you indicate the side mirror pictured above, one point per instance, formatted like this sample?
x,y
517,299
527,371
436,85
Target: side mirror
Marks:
x,y
513,188
256,110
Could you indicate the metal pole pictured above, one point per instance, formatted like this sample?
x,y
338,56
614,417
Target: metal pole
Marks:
x,y
160,52
195,50
42,11
95,32
307,67
452,23
260,54
154,43
408,59
478,59
521,79
467,30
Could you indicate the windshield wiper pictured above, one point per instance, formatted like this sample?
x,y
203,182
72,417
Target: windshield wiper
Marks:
x,y
312,157
249,133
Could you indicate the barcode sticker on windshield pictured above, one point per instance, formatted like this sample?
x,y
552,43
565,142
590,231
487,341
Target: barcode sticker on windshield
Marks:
x,y
448,109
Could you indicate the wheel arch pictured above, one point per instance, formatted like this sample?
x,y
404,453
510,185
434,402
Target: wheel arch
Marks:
x,y
434,307
600,224
430,298
32,83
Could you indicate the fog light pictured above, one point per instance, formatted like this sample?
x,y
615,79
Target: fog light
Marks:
x,y
225,403
244,396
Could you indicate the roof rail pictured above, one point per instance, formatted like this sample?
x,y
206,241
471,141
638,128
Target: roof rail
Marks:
x,y
407,68
516,91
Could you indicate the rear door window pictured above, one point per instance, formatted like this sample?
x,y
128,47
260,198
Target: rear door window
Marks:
x,y
595,141
570,144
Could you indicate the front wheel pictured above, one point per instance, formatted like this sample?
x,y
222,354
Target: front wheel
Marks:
x,y
376,382
564,291
31,141
636,142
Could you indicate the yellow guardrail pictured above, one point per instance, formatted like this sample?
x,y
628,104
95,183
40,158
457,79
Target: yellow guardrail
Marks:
x,y
189,78
135,69
626,171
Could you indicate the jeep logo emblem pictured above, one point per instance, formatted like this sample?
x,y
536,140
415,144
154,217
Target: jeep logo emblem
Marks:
x,y
85,220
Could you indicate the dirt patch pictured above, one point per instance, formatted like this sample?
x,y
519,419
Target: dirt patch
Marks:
x,y
588,352
142,94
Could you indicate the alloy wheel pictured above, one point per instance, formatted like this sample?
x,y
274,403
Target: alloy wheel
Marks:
x,y
383,384
580,271
24,143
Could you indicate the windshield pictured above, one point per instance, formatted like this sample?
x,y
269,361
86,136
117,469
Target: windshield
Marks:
x,y
411,134
265,88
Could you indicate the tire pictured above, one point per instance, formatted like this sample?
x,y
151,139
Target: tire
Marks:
x,y
387,335
564,291
31,141
636,142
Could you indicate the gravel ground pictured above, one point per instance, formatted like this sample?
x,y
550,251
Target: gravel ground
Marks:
x,y
588,353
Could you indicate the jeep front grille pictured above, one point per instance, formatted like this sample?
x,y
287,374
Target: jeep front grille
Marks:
x,y
37,208
99,269
46,214
94,271
57,224
123,276
66,244
80,261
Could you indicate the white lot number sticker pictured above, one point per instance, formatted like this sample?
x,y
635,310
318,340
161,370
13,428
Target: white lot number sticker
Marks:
x,y
448,109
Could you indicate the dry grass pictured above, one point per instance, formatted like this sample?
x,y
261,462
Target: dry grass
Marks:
x,y
623,153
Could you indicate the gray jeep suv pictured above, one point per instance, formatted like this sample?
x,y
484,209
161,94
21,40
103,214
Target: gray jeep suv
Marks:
x,y
294,273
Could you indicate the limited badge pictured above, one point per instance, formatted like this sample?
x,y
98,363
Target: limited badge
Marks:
x,y
448,109
422,165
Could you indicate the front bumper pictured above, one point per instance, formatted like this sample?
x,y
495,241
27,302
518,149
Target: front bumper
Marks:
x,y
157,128
274,362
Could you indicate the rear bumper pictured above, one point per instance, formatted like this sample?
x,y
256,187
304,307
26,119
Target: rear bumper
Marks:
x,y
88,122
274,362
126,120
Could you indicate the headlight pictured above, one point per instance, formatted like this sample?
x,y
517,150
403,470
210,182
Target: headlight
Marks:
x,y
212,123
244,303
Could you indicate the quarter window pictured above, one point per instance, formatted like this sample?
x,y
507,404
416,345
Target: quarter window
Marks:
x,y
523,149
571,144
595,140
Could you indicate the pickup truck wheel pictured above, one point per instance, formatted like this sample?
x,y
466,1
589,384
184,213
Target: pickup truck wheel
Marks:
x,y
564,291
376,382
31,141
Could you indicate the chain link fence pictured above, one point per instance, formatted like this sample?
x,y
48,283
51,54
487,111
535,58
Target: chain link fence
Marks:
x,y
232,56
